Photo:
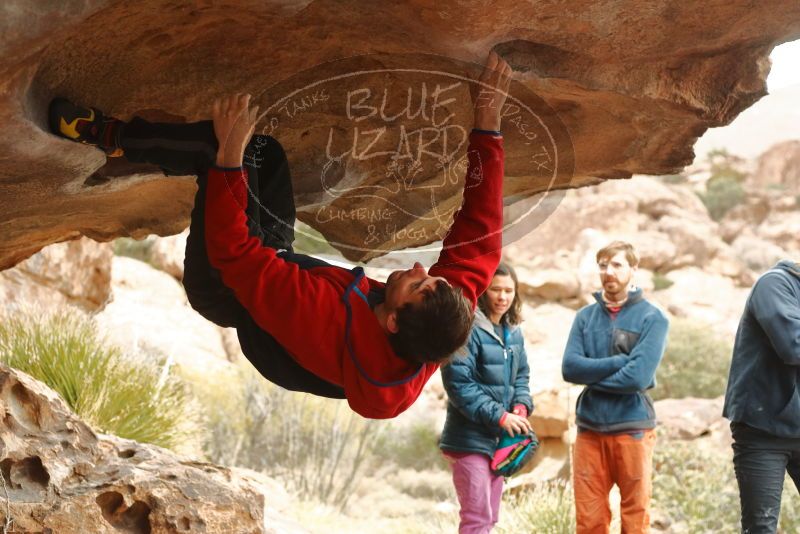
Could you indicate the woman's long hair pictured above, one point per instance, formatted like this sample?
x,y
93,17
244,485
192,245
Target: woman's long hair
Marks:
x,y
512,316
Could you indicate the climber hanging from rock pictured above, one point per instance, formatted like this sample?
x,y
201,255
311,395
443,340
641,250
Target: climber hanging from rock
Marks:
x,y
307,325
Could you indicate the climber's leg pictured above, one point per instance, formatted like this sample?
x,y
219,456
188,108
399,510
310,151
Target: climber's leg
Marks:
x,y
270,204
84,125
181,149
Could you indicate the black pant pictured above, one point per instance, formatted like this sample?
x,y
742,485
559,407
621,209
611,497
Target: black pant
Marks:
x,y
181,149
761,462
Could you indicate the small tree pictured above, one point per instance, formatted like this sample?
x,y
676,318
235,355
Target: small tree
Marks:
x,y
724,189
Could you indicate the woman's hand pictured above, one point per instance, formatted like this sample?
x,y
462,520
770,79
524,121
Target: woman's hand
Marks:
x,y
234,125
515,424
492,91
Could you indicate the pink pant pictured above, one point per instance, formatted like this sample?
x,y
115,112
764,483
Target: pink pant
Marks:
x,y
478,491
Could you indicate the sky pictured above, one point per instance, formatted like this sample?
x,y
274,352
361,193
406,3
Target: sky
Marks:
x,y
785,70
774,118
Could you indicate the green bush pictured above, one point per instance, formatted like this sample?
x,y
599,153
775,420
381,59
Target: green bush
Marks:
x,y
416,447
310,241
722,193
660,282
132,400
317,446
138,249
724,189
695,364
674,179
548,508
697,490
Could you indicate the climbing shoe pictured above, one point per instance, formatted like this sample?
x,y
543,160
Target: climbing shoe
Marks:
x,y
84,125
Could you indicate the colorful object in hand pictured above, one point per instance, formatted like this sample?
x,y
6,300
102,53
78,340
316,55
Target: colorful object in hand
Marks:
x,y
513,453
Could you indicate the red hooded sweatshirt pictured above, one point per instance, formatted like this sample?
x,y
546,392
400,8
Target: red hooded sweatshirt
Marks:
x,y
304,309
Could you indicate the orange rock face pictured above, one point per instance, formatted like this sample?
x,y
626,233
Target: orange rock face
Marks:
x,y
372,102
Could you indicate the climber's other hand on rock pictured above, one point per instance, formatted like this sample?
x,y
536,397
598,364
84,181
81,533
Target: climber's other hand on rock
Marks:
x,y
234,123
492,91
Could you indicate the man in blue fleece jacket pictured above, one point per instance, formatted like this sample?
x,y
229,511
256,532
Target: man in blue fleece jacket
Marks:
x,y
614,348
763,396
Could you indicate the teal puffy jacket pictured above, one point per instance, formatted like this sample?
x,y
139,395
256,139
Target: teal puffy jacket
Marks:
x,y
484,381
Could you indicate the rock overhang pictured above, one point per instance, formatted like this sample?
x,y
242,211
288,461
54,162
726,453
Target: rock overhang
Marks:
x,y
626,89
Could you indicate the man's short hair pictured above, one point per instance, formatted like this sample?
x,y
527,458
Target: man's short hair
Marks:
x,y
434,329
615,247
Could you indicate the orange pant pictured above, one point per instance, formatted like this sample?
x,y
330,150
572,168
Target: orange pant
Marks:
x,y
602,460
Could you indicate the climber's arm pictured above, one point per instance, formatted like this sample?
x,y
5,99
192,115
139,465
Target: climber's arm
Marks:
x,y
471,251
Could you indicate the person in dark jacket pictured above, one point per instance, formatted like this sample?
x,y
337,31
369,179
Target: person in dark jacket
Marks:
x,y
762,399
378,344
488,393
614,348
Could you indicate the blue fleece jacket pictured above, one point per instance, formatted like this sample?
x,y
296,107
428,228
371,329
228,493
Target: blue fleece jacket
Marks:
x,y
616,359
764,382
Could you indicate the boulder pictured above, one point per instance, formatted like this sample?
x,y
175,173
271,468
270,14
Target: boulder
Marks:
x,y
720,303
668,225
386,114
546,328
758,254
548,284
167,254
688,418
779,168
76,273
61,477
150,317
550,418
781,228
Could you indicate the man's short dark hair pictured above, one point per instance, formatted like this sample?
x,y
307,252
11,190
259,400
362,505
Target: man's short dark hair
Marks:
x,y
432,330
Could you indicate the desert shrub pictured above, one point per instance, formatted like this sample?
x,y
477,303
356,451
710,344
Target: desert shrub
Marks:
x,y
422,484
695,364
416,447
548,508
310,241
133,400
318,447
722,194
697,490
660,282
674,179
138,249
724,189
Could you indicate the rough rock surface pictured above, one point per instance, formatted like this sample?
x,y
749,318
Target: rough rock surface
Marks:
x,y
167,254
690,417
668,225
611,90
74,273
779,168
63,478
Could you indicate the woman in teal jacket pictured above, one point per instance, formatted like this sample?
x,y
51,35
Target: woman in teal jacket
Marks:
x,y
488,392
